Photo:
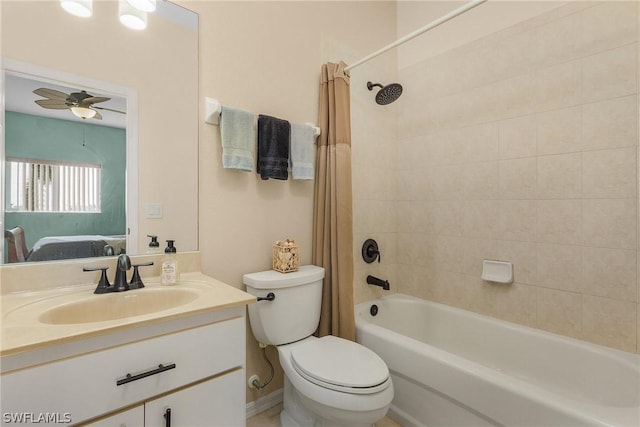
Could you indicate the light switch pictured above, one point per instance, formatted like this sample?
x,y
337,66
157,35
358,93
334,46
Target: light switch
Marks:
x,y
154,210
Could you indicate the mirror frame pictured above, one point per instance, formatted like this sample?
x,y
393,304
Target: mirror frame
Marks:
x,y
47,75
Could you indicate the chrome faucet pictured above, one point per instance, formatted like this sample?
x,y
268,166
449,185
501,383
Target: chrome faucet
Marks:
x,y
122,266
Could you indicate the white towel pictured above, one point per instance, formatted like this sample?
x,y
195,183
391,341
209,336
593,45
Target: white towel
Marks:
x,y
238,139
302,151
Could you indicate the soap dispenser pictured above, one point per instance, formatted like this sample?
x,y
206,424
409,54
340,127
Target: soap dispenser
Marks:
x,y
154,246
170,272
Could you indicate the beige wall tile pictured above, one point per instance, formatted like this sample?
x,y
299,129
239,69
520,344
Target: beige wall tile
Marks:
x,y
517,220
609,273
523,256
559,86
449,288
609,25
610,74
610,124
449,253
480,143
449,217
559,312
610,223
415,280
559,221
532,161
560,176
416,249
481,296
415,217
518,96
476,250
480,219
559,266
559,131
610,322
480,181
559,40
519,53
610,173
518,137
517,303
518,178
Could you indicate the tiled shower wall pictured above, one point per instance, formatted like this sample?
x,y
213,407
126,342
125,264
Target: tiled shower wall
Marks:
x,y
523,146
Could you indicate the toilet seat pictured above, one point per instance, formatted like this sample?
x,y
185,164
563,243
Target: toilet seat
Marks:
x,y
341,365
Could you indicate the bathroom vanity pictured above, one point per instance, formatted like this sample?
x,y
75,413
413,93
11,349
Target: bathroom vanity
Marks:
x,y
173,356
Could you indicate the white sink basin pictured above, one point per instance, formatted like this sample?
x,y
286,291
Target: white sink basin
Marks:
x,y
99,308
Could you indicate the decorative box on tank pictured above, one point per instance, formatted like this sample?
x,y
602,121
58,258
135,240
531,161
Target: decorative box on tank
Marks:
x,y
286,256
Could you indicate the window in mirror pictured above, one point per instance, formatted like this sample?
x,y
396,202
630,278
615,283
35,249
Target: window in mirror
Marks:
x,y
43,186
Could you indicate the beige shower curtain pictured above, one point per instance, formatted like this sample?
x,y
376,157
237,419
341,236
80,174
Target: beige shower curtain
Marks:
x,y
332,221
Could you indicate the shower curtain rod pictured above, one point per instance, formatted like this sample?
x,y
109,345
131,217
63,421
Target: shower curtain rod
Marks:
x,y
462,9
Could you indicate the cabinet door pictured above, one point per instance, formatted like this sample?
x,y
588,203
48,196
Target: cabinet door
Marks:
x,y
133,417
218,402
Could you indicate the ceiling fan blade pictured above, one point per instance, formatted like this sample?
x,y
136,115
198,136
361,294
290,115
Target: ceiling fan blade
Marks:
x,y
51,94
98,116
95,99
52,104
108,109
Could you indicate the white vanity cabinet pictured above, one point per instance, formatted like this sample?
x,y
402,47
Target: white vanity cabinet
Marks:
x,y
207,404
213,402
198,372
130,418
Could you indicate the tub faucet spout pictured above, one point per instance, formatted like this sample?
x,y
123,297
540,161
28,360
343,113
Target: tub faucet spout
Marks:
x,y
384,284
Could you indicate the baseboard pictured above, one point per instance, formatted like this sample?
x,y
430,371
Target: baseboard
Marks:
x,y
402,418
263,403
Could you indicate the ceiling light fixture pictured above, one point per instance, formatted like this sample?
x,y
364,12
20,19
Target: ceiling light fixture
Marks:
x,y
82,8
131,17
83,112
143,5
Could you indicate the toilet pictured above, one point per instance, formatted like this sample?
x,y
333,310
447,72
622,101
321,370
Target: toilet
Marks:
x,y
329,381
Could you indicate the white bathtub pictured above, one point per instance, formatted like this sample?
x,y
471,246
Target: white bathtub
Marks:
x,y
451,367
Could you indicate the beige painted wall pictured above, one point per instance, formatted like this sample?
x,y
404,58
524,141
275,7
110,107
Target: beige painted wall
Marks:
x,y
265,57
522,146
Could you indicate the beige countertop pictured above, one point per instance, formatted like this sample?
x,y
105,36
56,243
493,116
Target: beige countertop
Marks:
x,y
23,327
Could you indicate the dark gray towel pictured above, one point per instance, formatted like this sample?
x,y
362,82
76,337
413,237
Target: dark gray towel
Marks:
x,y
273,147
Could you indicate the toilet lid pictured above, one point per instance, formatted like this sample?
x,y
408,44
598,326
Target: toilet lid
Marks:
x,y
342,365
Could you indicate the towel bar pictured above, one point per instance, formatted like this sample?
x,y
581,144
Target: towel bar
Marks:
x,y
213,110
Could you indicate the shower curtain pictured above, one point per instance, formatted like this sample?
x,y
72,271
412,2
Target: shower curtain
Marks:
x,y
332,221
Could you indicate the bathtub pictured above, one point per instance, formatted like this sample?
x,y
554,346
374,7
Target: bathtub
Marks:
x,y
451,367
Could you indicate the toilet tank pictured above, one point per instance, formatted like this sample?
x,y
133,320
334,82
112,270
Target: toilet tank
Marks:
x,y
294,314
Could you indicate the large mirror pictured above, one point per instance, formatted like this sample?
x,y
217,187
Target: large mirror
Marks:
x,y
127,172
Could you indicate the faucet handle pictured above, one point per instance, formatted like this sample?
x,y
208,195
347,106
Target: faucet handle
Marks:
x,y
103,284
136,280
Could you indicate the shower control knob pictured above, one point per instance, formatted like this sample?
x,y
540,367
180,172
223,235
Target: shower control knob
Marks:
x,y
370,251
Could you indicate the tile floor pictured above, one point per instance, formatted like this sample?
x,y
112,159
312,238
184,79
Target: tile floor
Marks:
x,y
271,418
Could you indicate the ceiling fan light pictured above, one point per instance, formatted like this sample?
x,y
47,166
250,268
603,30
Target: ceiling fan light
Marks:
x,y
131,17
82,8
143,5
83,112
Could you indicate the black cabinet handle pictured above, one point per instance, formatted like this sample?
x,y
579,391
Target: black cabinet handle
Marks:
x,y
167,417
129,378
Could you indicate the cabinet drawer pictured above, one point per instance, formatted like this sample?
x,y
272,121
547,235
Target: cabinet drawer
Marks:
x,y
85,386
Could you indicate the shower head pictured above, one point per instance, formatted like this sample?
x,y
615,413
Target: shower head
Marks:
x,y
387,94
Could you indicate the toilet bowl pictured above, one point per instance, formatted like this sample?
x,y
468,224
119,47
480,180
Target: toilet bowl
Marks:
x,y
329,381
339,381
